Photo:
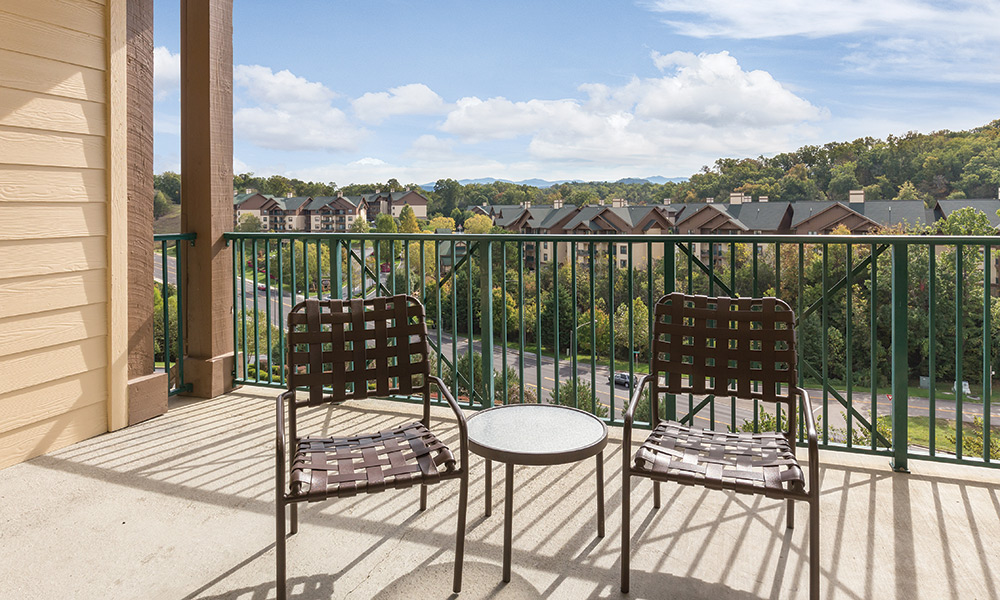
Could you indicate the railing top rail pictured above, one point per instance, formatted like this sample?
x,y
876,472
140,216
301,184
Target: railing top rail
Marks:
x,y
168,237
927,240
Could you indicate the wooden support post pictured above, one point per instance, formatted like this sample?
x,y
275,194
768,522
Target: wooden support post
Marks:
x,y
147,391
207,191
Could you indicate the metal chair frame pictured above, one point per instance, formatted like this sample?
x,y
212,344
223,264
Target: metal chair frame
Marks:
x,y
335,349
738,347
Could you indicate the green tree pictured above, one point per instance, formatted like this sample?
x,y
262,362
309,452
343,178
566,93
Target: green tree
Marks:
x,y
580,395
640,327
169,183
441,223
160,204
408,220
249,223
384,223
159,337
908,191
276,185
966,221
446,197
981,175
360,226
478,224
565,317
843,181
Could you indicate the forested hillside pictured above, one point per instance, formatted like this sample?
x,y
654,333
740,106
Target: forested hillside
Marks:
x,y
943,164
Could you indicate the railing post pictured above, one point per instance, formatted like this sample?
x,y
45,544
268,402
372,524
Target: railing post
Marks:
x,y
900,368
486,318
669,284
337,285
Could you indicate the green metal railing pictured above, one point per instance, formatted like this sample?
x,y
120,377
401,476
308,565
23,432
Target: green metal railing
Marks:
x,y
556,316
168,343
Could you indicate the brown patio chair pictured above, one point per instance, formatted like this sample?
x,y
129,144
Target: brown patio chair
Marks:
x,y
352,349
741,347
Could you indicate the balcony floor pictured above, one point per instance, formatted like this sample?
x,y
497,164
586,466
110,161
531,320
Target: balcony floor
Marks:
x,y
181,507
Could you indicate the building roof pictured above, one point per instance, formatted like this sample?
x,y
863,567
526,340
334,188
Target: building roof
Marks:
x,y
759,216
892,213
809,209
319,202
990,206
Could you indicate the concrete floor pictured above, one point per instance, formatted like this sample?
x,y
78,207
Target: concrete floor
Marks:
x,y
181,507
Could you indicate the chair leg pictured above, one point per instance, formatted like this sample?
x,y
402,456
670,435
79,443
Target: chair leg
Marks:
x,y
814,549
790,523
295,519
656,494
463,503
626,529
279,547
423,497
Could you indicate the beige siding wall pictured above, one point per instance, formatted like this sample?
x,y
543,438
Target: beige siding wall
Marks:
x,y
54,225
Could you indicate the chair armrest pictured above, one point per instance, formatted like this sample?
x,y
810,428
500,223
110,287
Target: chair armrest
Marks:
x,y
280,444
280,418
813,441
629,414
463,428
627,425
809,418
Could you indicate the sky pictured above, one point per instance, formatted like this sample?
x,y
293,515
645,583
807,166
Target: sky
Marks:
x,y
596,90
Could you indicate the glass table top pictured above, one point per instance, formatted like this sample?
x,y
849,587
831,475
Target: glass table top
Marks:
x,y
527,433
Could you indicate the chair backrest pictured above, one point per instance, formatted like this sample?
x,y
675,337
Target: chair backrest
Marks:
x,y
742,347
358,348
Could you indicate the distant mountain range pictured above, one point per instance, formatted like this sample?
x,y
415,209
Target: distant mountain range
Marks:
x,y
542,183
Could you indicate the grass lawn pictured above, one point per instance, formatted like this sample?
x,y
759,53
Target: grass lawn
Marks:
x,y
170,222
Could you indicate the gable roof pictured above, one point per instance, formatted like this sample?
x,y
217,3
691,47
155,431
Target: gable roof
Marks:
x,y
803,211
760,216
718,210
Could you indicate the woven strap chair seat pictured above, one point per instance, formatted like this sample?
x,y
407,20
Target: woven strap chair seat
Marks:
x,y
753,463
346,466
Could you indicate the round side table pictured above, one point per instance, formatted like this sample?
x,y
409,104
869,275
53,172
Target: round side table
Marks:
x,y
535,434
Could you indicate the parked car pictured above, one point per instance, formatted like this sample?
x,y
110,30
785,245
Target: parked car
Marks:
x,y
262,287
622,378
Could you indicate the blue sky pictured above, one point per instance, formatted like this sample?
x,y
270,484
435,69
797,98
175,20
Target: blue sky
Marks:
x,y
357,92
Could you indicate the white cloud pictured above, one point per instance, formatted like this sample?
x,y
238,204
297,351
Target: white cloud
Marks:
x,y
951,41
166,73
713,89
700,101
290,112
411,99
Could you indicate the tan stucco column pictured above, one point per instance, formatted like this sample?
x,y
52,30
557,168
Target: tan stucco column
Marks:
x,y
147,391
207,191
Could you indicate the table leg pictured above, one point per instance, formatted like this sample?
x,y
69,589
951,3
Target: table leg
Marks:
x,y
600,494
508,520
489,487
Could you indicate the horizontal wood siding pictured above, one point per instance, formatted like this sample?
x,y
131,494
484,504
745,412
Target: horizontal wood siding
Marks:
x,y
53,433
27,407
54,268
53,257
51,328
52,77
32,110
51,221
38,38
51,185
